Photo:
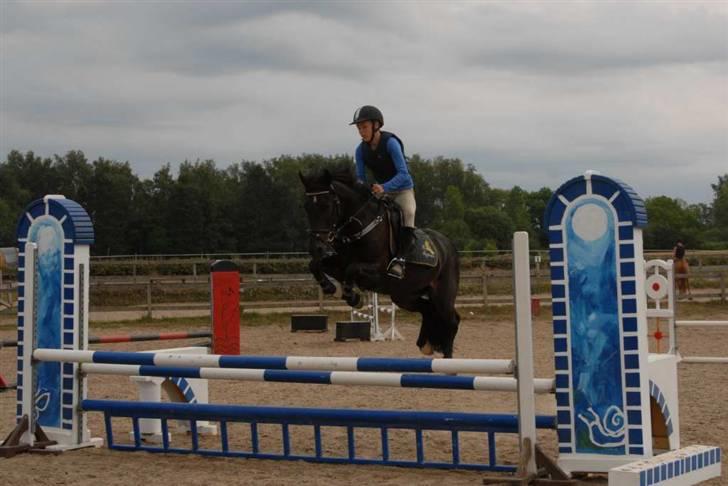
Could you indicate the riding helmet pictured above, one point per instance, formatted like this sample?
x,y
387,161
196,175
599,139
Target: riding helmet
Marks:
x,y
368,113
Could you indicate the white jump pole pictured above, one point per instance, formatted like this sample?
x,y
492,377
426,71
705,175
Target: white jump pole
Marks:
x,y
524,349
701,323
29,342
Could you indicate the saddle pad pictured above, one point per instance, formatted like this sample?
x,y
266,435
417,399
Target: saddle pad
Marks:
x,y
423,251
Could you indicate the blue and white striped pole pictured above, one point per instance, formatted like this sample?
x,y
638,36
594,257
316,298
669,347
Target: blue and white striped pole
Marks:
x,y
351,378
403,365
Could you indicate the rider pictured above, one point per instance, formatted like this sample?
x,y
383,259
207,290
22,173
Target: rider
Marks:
x,y
383,153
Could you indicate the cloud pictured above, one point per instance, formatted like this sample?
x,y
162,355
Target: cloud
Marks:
x,y
529,92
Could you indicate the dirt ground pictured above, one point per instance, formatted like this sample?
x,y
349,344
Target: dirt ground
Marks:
x,y
703,412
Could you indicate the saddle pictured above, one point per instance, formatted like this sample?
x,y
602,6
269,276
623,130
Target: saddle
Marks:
x,y
423,250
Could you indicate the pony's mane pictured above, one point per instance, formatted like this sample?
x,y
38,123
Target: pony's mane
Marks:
x,y
343,173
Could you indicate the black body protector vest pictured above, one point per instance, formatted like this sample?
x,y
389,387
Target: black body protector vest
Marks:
x,y
379,161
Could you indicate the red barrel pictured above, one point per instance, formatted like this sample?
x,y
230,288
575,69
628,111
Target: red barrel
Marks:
x,y
535,306
225,307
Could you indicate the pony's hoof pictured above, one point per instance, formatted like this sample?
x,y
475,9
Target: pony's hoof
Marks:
x,y
355,301
427,349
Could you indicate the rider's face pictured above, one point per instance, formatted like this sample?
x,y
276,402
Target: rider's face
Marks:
x,y
366,129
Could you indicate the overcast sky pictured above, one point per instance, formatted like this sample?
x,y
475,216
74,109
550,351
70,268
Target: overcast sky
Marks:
x,y
530,93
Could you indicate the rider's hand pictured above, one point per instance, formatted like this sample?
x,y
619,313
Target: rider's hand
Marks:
x,y
377,188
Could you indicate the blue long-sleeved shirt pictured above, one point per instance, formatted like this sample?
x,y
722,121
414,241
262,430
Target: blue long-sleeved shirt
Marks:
x,y
402,179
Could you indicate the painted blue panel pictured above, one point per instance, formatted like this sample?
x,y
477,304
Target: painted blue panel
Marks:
x,y
629,287
637,451
564,417
565,450
627,269
48,234
564,435
594,311
68,278
561,381
575,188
68,307
69,228
631,343
554,212
37,210
604,187
558,291
68,294
562,399
22,229
633,399
561,363
635,436
68,264
632,380
559,326
68,323
626,250
629,306
626,232
556,254
77,224
629,324
557,272
558,309
560,345
57,211
555,236
632,362
634,417
21,291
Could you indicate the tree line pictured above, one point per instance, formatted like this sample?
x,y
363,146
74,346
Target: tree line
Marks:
x,y
258,207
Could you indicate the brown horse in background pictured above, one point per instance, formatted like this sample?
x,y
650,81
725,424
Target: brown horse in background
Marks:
x,y
681,268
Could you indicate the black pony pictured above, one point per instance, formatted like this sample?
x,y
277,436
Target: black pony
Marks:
x,y
353,238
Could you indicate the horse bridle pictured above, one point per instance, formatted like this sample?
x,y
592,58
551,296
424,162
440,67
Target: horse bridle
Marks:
x,y
334,233
330,233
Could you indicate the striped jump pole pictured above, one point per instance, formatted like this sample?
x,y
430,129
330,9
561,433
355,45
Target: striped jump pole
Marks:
x,y
325,363
131,338
356,378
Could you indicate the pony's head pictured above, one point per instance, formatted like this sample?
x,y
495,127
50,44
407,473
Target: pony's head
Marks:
x,y
332,195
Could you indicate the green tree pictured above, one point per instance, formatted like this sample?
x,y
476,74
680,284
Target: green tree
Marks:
x,y
720,208
452,222
490,226
670,220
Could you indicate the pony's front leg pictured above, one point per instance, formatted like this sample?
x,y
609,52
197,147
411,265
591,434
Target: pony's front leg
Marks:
x,y
327,286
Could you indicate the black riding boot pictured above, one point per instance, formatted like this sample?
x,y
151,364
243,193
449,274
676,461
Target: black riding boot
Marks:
x,y
406,240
